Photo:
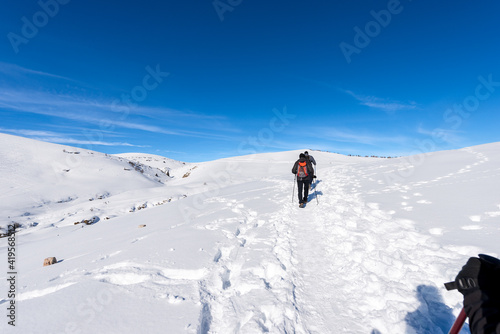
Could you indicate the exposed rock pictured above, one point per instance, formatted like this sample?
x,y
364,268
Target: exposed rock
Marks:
x,y
10,230
49,261
141,226
91,221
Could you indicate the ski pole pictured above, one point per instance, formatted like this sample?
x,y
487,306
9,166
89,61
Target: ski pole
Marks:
x,y
459,323
293,191
315,185
460,320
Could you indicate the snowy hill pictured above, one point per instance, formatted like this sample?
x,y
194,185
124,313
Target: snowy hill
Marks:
x,y
225,250
38,177
162,163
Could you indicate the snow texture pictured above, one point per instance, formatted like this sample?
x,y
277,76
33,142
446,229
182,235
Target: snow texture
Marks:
x,y
225,250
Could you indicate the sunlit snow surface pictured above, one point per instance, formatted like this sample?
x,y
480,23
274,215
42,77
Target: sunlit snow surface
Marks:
x,y
225,250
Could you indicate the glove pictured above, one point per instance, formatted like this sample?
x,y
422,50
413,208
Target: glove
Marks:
x,y
479,282
481,273
314,176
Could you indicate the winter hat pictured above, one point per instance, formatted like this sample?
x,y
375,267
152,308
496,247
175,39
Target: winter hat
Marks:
x,y
302,155
306,153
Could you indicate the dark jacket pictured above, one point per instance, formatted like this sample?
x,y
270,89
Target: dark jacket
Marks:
x,y
479,281
310,169
483,311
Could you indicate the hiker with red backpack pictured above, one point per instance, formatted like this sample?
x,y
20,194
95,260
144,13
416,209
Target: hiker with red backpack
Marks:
x,y
304,172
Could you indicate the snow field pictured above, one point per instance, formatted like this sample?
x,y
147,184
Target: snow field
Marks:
x,y
228,251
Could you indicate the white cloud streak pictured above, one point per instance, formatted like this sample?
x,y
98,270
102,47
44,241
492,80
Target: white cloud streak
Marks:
x,y
52,137
384,104
16,70
103,114
439,135
345,136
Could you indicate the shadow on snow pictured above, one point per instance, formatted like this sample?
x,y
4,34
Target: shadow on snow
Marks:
x,y
433,316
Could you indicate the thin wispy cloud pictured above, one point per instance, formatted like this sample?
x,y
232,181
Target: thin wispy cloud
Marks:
x,y
439,135
384,104
112,104
16,70
347,136
71,141
37,101
53,137
99,113
110,114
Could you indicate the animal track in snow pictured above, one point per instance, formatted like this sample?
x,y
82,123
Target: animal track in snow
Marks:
x,y
171,298
129,273
138,239
471,227
107,256
436,231
217,256
42,292
493,214
225,275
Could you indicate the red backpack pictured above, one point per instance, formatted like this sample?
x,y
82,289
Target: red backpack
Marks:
x,y
302,172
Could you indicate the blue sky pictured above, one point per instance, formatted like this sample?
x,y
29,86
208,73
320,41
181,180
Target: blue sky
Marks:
x,y
201,80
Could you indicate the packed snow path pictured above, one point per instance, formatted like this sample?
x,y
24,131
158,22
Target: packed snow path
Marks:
x,y
341,265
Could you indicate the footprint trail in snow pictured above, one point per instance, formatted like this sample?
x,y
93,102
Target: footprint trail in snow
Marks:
x,y
343,265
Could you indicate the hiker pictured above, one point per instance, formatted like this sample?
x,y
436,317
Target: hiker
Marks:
x,y
303,169
479,282
310,157
313,162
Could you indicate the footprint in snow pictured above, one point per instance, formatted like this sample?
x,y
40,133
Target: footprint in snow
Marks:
x,y
471,227
493,214
374,206
436,231
137,239
217,256
475,218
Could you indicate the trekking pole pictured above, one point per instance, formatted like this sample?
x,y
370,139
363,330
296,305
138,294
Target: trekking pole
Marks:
x,y
459,323
293,191
315,185
460,320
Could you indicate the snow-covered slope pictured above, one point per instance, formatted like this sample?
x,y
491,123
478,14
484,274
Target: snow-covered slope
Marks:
x,y
228,251
37,179
155,161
